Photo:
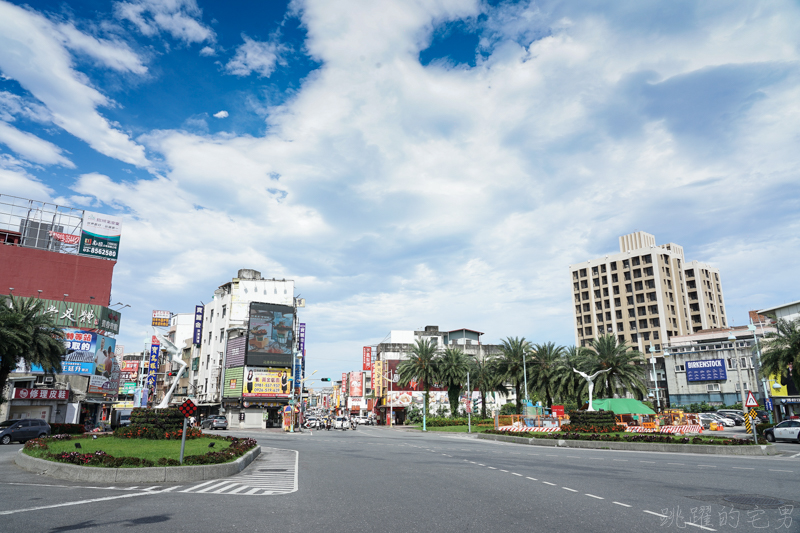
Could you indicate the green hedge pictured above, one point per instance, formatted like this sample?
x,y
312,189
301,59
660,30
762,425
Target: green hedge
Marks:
x,y
633,437
592,418
761,427
67,429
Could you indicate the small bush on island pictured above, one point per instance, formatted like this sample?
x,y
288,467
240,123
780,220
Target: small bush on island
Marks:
x,y
632,437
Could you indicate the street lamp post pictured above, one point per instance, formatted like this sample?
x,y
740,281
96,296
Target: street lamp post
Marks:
x,y
655,377
525,377
738,364
752,328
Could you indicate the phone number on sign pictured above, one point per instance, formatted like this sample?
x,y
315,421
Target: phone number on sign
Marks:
x,y
100,251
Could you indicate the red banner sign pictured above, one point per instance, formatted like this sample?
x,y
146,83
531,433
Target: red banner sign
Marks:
x,y
367,363
66,238
41,394
357,384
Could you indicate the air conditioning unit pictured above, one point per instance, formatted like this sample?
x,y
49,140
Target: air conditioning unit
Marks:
x,y
48,379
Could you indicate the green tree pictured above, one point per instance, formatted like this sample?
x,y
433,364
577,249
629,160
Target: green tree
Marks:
x,y
485,377
543,370
422,366
569,385
453,366
27,334
782,352
625,374
510,364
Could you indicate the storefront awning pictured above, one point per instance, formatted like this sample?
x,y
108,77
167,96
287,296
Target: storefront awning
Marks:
x,y
98,400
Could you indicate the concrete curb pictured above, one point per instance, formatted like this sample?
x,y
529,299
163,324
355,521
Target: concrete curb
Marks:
x,y
158,474
638,446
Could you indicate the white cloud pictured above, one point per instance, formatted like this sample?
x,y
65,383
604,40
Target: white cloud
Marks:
x,y
32,54
255,56
113,54
32,147
16,182
221,114
403,195
207,51
178,18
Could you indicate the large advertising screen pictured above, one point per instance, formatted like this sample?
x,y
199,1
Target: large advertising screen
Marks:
x,y
707,370
270,335
88,353
266,383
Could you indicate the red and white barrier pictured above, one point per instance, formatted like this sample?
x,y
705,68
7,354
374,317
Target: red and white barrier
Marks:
x,y
665,429
519,429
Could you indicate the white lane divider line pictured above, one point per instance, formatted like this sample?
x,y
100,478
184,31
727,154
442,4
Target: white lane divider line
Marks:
x,y
677,464
707,466
621,460
479,464
622,504
531,478
569,489
742,468
595,497
548,483
651,462
698,525
503,470
81,502
493,468
520,475
655,514
790,471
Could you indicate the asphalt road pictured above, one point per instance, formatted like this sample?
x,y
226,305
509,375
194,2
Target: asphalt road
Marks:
x,y
376,479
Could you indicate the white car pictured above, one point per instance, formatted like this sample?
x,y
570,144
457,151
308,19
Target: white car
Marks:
x,y
707,418
341,423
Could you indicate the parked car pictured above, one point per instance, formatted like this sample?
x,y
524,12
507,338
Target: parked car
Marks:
x,y
215,422
737,418
727,422
707,418
22,430
763,417
786,430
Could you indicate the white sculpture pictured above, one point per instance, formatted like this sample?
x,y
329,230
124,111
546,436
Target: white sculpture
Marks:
x,y
590,380
174,354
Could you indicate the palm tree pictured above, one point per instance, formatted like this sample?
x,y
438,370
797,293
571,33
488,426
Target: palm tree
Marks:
x,y
453,366
568,383
485,377
421,366
27,334
543,370
625,375
781,354
510,363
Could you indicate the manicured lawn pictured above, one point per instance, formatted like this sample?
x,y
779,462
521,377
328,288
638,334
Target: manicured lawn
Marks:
x,y
142,448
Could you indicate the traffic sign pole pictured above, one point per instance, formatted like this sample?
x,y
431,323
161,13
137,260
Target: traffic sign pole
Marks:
x,y
183,438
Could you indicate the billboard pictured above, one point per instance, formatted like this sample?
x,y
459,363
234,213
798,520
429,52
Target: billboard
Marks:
x,y
161,319
232,384
100,235
707,370
235,352
270,335
197,336
87,352
84,316
356,384
266,383
155,348
127,388
105,382
366,364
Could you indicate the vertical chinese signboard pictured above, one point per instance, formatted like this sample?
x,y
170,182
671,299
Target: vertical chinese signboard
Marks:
x,y
366,364
100,235
357,384
377,378
197,337
155,347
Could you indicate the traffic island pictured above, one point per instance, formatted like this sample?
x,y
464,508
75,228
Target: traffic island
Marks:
x,y
97,472
708,449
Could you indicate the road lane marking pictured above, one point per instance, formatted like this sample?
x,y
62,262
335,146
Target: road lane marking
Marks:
x,y
679,464
655,514
742,468
622,504
531,478
621,460
698,525
795,455
596,497
503,470
707,466
493,468
569,489
480,464
771,470
81,502
548,483
520,475
651,462
200,485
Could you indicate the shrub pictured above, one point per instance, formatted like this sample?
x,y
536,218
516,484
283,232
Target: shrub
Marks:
x,y
67,429
508,409
35,444
594,429
592,418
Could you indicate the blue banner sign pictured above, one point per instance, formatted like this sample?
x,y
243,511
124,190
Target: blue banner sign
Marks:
x,y
153,367
707,370
197,338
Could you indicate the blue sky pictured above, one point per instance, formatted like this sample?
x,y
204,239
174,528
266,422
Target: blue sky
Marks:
x,y
410,162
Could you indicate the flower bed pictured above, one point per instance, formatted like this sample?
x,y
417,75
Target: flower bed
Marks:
x,y
635,437
98,458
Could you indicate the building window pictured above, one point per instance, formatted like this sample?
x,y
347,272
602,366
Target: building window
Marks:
x,y
608,315
619,313
597,293
224,309
617,302
614,278
602,269
613,265
605,291
634,337
627,276
646,336
626,263
588,331
631,313
616,289
638,285
605,280
599,317
654,323
628,287
585,308
629,300
679,368
632,325
637,273
640,298
655,334
643,324
607,304
620,327
583,272
621,338
649,271
598,306
712,387
594,271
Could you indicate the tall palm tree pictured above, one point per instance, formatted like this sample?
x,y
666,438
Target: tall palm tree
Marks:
x,y
510,363
27,334
543,369
781,354
421,366
485,377
453,366
625,374
568,383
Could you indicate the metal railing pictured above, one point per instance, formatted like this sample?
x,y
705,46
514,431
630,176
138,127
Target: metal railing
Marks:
x,y
30,223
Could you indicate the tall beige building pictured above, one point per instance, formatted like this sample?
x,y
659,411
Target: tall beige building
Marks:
x,y
645,294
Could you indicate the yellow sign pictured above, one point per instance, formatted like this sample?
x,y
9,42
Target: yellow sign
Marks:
x,y
266,383
377,378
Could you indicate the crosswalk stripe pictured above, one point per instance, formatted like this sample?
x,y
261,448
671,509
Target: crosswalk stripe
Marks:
x,y
210,487
190,489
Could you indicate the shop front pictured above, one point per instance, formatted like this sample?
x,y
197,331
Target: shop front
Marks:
x,y
49,405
